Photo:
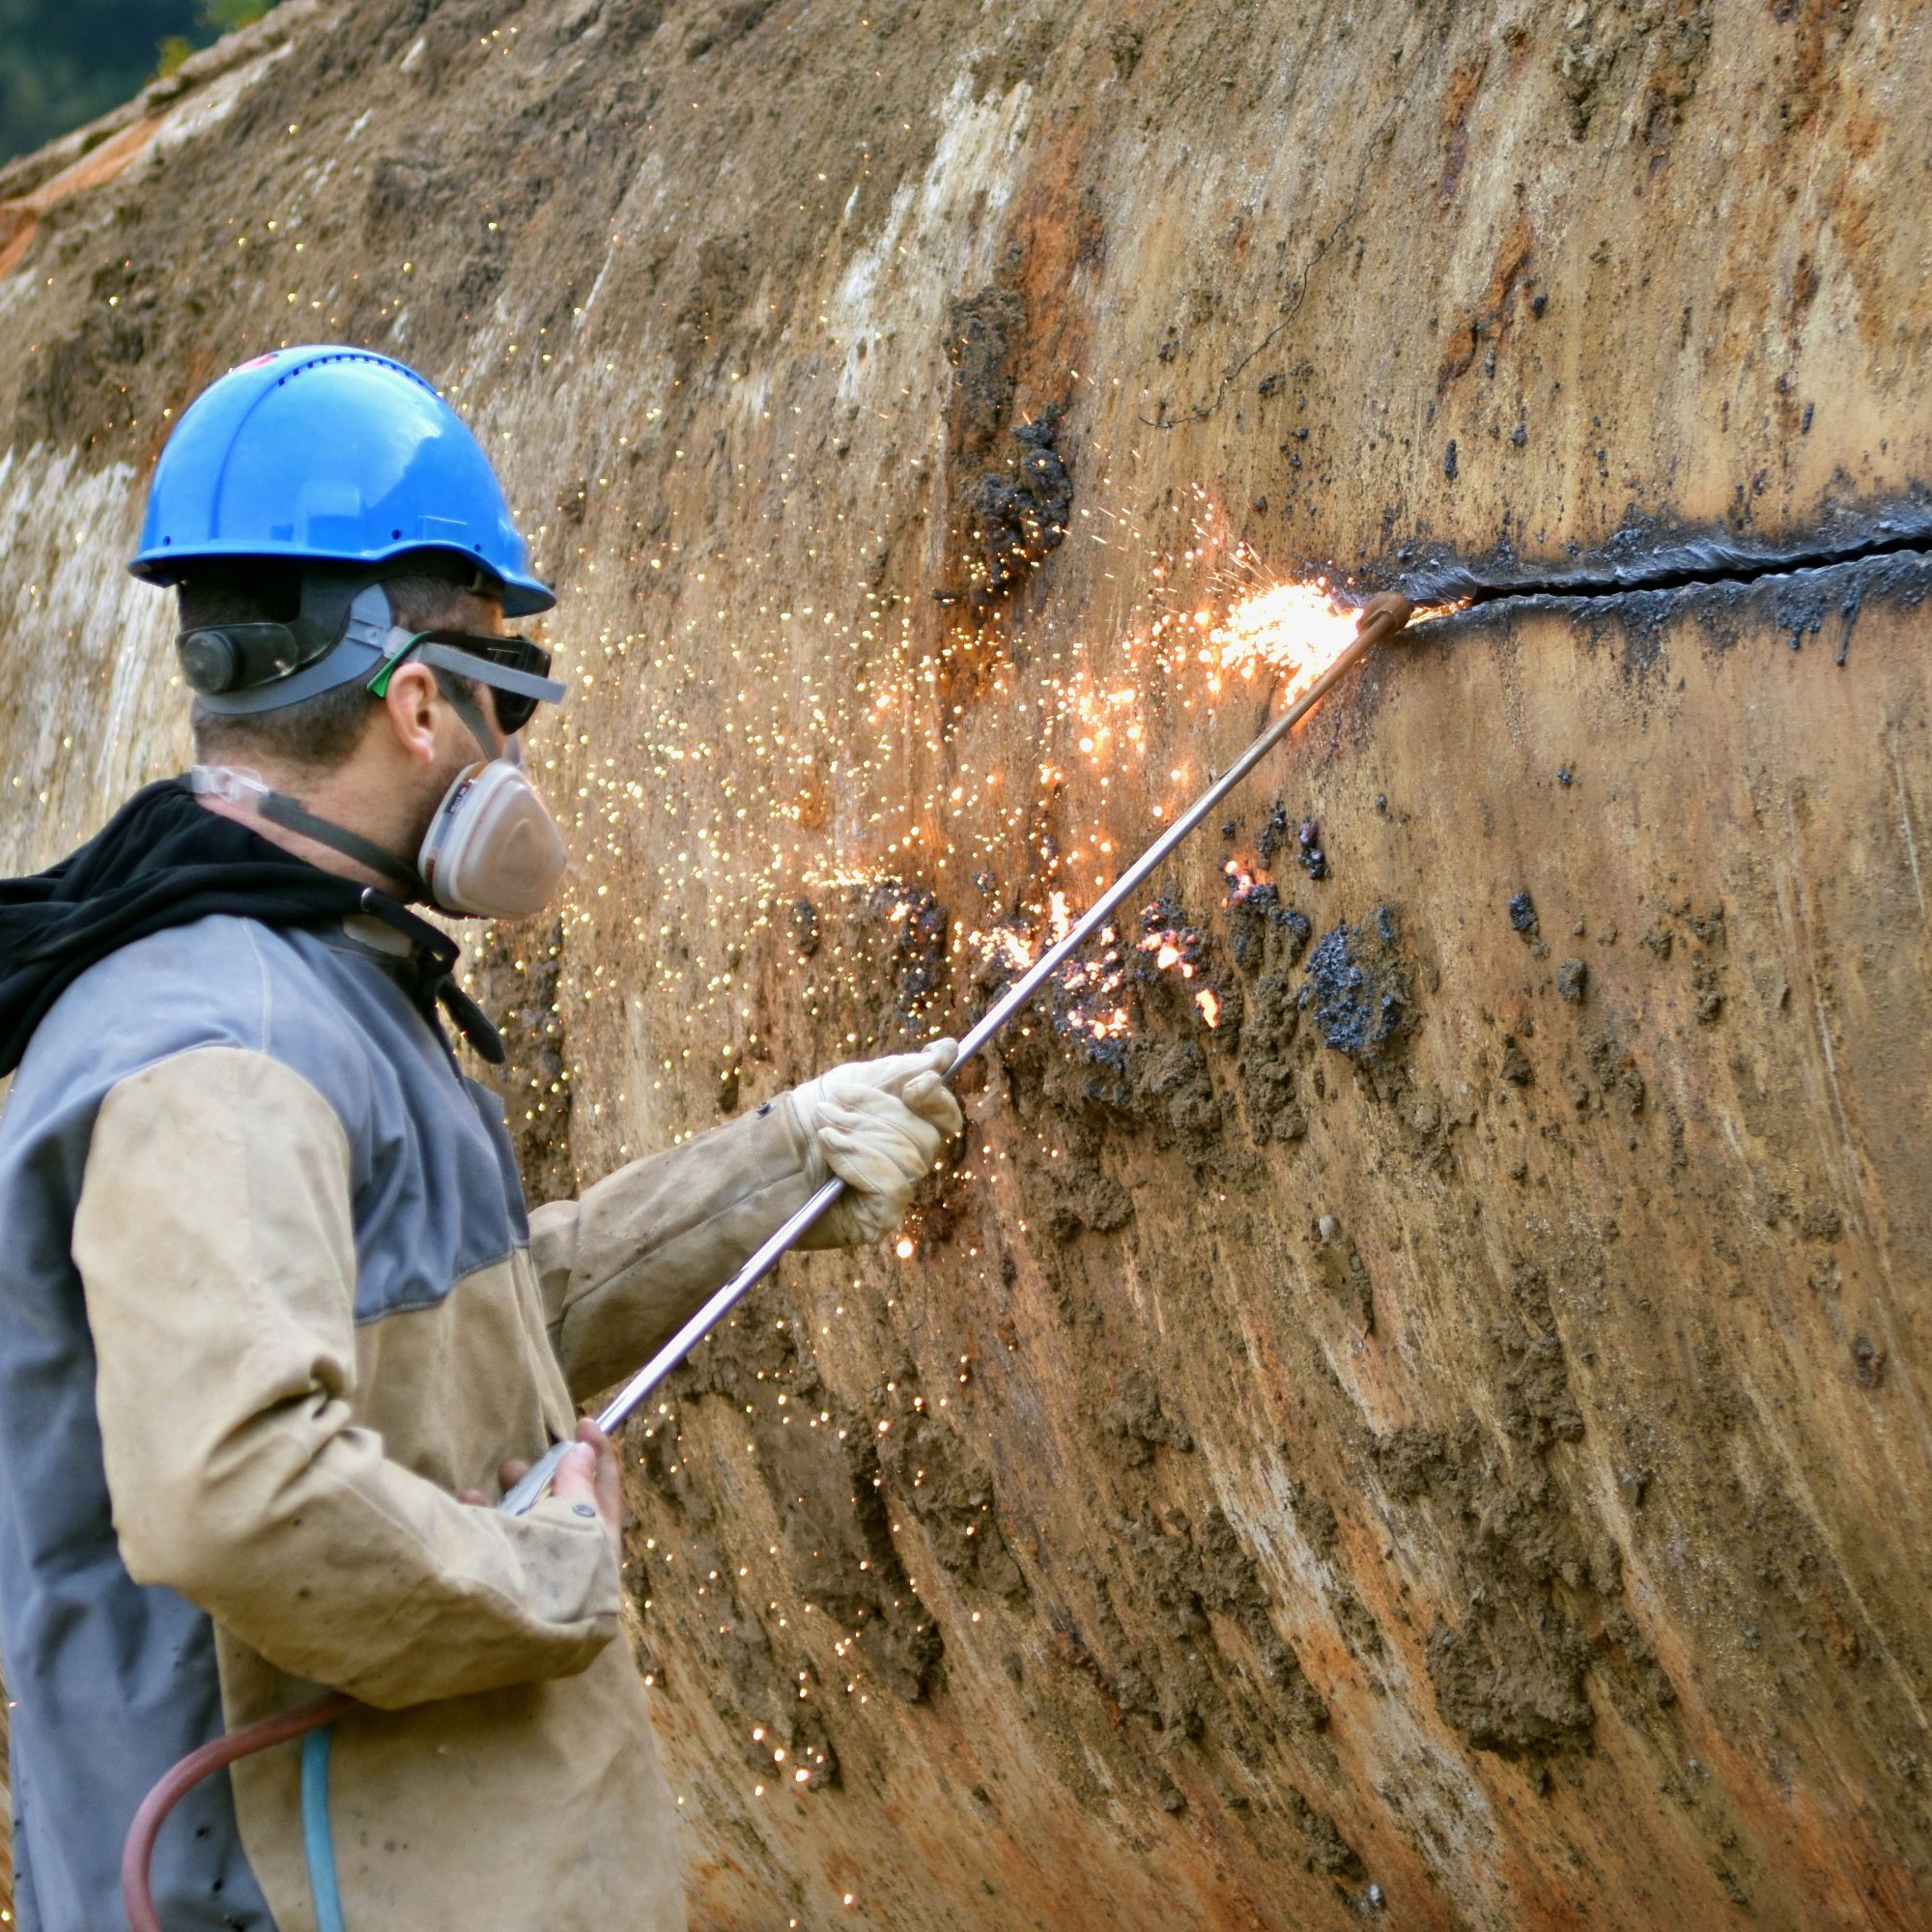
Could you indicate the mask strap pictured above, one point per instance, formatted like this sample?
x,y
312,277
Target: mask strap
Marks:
x,y
279,809
467,708
240,787
438,955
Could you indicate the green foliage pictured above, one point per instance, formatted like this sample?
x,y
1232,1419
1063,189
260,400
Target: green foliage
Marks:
x,y
225,15
64,62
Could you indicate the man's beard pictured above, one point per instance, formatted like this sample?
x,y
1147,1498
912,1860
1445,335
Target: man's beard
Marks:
x,y
435,789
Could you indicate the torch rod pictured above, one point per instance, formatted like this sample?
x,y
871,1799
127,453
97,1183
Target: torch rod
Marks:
x,y
1382,618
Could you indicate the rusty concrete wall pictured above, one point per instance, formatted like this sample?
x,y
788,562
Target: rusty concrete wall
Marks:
x,y
1480,1482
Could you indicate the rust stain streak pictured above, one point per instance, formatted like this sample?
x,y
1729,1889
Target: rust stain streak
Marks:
x,y
20,219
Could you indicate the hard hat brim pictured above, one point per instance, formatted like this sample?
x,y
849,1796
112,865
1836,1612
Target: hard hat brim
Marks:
x,y
522,595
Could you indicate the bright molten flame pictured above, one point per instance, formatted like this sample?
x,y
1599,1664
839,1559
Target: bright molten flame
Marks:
x,y
1296,630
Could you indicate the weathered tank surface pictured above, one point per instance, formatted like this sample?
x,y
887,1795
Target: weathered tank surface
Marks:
x,y
1444,1443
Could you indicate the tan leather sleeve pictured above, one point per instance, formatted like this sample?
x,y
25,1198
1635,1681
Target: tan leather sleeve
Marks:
x,y
215,1244
623,1266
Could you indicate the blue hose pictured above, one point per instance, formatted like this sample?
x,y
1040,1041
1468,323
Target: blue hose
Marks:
x,y
318,1844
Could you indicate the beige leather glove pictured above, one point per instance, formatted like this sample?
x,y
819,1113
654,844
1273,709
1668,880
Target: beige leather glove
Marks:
x,y
879,1125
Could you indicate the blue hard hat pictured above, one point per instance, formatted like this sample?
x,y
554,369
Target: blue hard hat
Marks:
x,y
328,454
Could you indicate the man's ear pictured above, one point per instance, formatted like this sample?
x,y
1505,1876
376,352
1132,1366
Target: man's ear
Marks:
x,y
413,701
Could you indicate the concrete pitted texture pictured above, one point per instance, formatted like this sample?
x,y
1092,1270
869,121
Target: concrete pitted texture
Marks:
x,y
1446,1443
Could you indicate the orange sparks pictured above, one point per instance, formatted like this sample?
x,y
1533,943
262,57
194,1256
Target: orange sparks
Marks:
x,y
1007,947
1209,1002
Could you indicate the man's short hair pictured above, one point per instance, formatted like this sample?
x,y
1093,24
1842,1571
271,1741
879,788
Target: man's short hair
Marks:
x,y
314,733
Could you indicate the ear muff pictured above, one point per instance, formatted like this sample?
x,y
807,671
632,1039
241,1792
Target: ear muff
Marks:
x,y
232,657
209,662
336,633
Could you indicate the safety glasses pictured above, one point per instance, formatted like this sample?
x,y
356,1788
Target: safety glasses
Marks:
x,y
513,668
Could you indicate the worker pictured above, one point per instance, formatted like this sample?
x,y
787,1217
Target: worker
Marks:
x,y
272,1316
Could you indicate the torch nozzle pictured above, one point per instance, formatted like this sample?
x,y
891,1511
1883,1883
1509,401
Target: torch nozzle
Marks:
x,y
1386,614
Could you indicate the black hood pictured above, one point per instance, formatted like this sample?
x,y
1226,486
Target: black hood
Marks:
x,y
162,860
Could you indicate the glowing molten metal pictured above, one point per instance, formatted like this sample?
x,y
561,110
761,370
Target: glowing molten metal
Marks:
x,y
1294,630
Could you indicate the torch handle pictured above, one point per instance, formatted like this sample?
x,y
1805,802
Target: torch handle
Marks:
x,y
519,1499
1382,617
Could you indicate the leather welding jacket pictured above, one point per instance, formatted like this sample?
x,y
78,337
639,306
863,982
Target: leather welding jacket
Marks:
x,y
269,1299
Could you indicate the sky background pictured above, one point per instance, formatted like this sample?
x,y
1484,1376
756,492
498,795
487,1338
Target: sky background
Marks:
x,y
64,62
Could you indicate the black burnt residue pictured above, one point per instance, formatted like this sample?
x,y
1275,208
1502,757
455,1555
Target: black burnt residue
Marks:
x,y
1274,834
916,922
1817,583
1650,554
1266,940
1809,602
1308,849
803,919
983,337
1279,831
1021,515
1166,934
1356,986
1262,931
1079,1003
1015,507
1522,914
1084,1014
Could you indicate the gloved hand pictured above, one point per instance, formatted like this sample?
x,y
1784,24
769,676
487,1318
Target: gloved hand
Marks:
x,y
878,1125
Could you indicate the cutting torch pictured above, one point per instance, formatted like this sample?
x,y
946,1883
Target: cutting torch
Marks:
x,y
1382,617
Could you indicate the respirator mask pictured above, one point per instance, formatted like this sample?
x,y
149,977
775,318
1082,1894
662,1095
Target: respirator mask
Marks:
x,y
491,850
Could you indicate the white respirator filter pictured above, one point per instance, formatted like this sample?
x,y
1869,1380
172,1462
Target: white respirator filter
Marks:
x,y
493,850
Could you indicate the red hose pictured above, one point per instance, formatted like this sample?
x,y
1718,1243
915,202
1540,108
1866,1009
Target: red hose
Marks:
x,y
174,1784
